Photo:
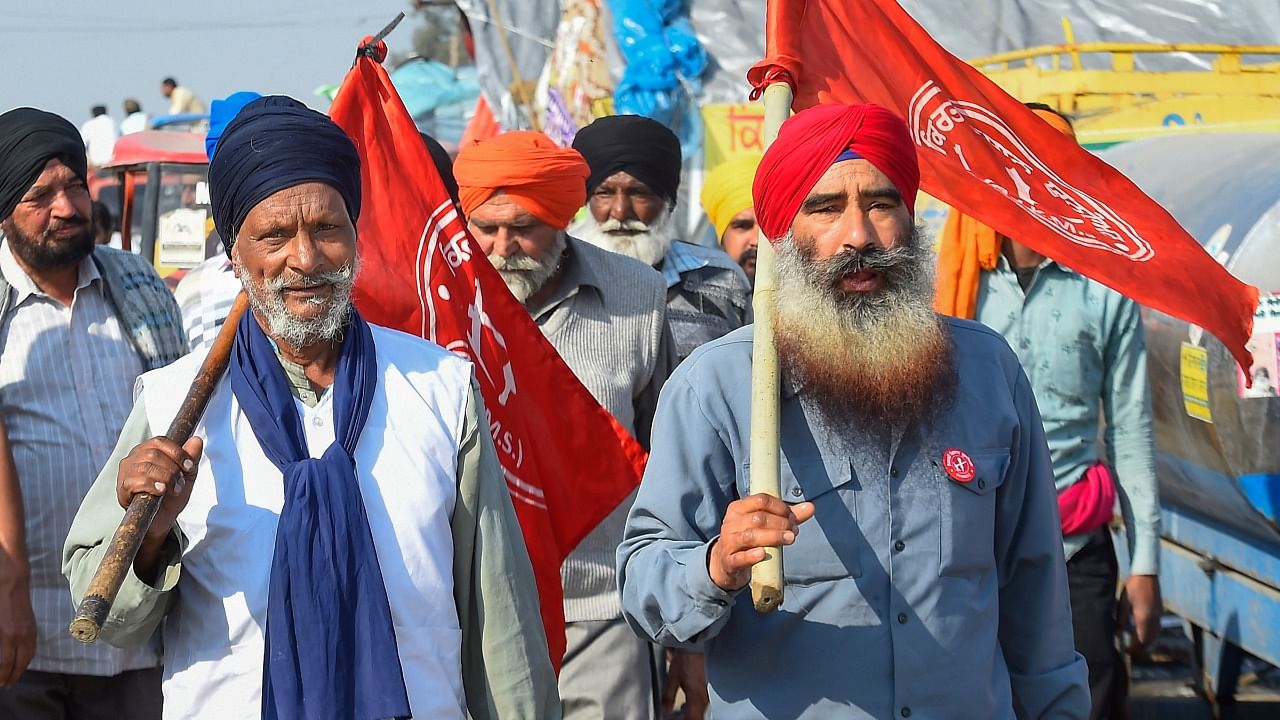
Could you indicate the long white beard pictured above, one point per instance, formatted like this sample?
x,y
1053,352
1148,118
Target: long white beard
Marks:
x,y
267,300
523,274
647,243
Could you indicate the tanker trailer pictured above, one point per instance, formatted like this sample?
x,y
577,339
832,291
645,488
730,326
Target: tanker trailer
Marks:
x,y
1218,443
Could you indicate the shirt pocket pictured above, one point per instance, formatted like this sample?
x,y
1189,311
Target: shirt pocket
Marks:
x,y
828,546
967,515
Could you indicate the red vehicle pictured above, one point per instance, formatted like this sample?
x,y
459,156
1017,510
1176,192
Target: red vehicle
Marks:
x,y
160,182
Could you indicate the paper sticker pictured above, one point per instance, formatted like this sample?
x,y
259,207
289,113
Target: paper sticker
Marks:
x,y
1264,346
1195,382
180,237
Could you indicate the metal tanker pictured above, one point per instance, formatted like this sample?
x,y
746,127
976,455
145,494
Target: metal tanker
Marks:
x,y
1217,443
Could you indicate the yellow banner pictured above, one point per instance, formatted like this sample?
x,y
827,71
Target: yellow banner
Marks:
x,y
731,129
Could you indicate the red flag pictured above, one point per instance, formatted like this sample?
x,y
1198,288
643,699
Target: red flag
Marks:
x,y
567,462
986,154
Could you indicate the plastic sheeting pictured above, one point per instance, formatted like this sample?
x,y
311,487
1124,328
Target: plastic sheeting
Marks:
x,y
733,31
1225,190
438,97
665,62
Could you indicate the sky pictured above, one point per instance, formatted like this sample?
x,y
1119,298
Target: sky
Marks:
x,y
66,56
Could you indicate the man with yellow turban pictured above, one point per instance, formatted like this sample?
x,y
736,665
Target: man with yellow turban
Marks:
x,y
726,196
1083,349
605,314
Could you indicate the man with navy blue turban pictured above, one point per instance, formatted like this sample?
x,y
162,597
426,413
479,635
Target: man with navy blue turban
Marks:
x,y
323,524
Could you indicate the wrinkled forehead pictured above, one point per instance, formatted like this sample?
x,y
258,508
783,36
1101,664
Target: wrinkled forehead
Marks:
x,y
852,178
502,209
623,180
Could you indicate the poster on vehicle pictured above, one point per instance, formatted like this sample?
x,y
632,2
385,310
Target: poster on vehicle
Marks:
x,y
180,237
1194,372
1264,346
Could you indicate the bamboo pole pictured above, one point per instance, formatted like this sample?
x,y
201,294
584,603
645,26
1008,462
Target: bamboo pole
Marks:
x,y
766,576
118,560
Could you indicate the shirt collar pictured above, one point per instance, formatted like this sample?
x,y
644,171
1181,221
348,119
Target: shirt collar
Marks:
x,y
574,275
678,261
1002,263
24,287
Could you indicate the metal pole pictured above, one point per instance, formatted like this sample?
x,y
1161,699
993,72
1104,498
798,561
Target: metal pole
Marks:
x,y
766,576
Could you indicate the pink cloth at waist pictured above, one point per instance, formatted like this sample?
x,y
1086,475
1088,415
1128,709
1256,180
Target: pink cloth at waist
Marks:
x,y
1090,503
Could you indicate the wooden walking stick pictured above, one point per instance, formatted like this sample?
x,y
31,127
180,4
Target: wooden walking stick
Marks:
x,y
115,565
766,576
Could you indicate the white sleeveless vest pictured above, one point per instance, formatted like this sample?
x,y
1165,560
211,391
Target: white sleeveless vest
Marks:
x,y
406,463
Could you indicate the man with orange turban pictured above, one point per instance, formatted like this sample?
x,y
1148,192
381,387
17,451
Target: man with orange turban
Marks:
x,y
606,315
1083,347
921,552
726,197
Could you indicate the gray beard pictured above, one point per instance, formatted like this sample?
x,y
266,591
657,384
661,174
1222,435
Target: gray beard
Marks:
x,y
524,275
880,357
267,301
648,244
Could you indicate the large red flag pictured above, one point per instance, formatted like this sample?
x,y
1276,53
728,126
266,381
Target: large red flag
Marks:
x,y
567,462
984,153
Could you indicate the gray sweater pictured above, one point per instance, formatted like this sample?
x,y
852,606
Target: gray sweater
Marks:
x,y
607,319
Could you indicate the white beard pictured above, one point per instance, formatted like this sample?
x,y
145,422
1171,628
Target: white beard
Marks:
x,y
647,243
267,300
524,275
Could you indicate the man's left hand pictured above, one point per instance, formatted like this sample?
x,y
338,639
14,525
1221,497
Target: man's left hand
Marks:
x,y
686,671
1141,600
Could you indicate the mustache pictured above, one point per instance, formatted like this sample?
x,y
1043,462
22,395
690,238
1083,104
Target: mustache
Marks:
x,y
517,262
614,225
57,226
293,281
876,259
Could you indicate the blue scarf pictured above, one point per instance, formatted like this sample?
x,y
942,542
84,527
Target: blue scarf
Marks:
x,y
330,643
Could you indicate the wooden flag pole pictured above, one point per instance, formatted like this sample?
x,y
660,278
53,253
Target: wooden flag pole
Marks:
x,y
766,576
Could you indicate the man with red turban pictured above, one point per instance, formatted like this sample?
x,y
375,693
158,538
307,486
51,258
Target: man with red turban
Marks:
x,y
923,564
606,315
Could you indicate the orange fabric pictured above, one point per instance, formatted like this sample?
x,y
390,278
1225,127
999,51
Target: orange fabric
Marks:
x,y
547,180
989,156
1058,122
483,124
966,249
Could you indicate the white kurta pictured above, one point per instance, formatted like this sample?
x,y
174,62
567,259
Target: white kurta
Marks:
x,y
406,465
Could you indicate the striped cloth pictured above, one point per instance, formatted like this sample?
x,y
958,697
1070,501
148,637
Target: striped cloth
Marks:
x,y
66,387
205,297
680,259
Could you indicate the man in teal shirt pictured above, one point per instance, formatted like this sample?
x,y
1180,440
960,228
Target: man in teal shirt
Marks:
x,y
1083,349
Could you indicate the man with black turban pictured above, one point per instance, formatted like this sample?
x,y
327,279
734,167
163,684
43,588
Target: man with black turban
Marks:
x,y
319,551
78,324
631,192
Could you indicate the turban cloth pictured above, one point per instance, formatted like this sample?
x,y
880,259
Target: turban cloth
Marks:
x,y
274,143
540,176
642,148
29,139
221,113
726,191
811,140
968,248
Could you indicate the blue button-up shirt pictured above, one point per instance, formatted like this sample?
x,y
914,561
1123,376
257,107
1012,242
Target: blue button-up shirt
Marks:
x,y
1084,351
908,593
